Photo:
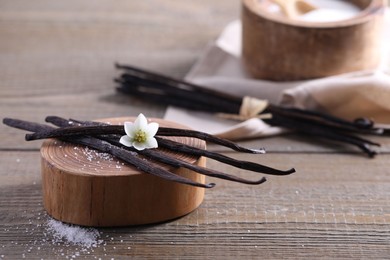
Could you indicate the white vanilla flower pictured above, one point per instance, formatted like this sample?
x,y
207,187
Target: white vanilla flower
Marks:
x,y
140,134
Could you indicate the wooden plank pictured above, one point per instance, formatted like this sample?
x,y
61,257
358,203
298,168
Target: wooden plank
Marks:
x,y
71,47
330,208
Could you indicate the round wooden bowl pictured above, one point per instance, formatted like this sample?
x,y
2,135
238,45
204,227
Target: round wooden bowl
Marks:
x,y
82,186
278,48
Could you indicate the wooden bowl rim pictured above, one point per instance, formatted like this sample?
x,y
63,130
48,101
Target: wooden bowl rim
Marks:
x,y
126,170
376,7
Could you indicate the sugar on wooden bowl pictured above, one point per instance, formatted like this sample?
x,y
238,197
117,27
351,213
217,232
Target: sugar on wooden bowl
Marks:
x,y
276,47
330,11
89,188
312,10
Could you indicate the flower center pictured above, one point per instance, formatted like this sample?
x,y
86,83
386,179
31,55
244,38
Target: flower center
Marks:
x,y
140,136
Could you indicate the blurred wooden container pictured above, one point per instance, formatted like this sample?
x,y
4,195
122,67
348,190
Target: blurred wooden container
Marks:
x,y
81,186
280,49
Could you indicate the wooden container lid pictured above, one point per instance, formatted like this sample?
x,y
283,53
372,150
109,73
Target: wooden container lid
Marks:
x,y
278,48
85,187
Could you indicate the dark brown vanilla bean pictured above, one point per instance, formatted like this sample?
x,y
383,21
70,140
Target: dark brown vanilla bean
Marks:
x,y
179,92
175,146
111,145
75,131
161,83
156,155
161,89
102,146
161,157
326,133
139,163
103,129
26,125
246,165
164,131
162,98
176,82
360,126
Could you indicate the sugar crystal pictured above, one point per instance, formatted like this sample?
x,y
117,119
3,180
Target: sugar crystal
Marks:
x,y
85,237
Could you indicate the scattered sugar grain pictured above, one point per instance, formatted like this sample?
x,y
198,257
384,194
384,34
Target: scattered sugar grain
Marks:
x,y
74,235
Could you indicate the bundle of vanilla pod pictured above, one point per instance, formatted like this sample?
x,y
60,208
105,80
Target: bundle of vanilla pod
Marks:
x,y
169,91
107,138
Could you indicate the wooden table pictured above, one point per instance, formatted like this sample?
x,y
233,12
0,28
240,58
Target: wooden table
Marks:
x,y
57,57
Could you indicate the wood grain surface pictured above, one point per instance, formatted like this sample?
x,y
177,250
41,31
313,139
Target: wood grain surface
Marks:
x,y
56,58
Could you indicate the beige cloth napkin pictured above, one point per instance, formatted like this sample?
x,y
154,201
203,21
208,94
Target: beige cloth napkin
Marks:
x,y
353,95
360,94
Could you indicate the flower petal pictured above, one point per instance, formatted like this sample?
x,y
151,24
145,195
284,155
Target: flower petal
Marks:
x,y
126,141
151,142
141,122
129,129
139,146
152,129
